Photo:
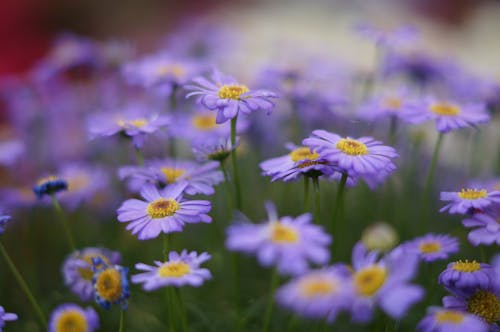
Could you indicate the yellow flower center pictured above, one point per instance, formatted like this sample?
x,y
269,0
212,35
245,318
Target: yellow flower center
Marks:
x,y
172,174
485,305
174,70
71,321
303,153
393,103
445,109
315,287
352,147
174,270
138,123
369,280
449,316
472,194
109,284
430,247
204,122
232,91
283,234
466,266
86,272
79,181
162,208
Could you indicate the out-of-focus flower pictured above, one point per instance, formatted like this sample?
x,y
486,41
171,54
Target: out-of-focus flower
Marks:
x,y
379,237
110,284
72,317
216,148
163,211
4,219
486,227
49,185
449,320
432,247
466,200
387,37
286,242
6,317
398,104
77,270
10,151
228,97
180,269
462,276
318,293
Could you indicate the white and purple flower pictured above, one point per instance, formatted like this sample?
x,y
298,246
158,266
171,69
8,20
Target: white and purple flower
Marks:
x,y
432,247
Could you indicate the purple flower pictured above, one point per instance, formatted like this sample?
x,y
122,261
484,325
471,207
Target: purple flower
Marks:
x,y
487,227
467,200
77,270
318,293
289,243
300,161
199,178
229,97
6,317
387,37
461,276
215,148
449,320
4,219
10,151
363,156
450,115
110,284
398,104
72,317
180,269
134,121
49,185
432,247
163,211
384,282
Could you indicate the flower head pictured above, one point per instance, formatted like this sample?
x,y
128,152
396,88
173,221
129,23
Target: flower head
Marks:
x,y
432,247
72,317
6,317
450,320
289,243
463,275
77,270
49,185
486,227
4,219
180,269
466,200
163,211
228,97
216,148
110,284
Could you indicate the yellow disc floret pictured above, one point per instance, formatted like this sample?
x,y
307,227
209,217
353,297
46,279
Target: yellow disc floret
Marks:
x,y
445,109
86,272
137,123
316,287
485,305
393,103
283,234
71,321
303,153
204,122
449,317
466,266
162,207
232,91
174,270
369,279
430,247
472,194
352,147
172,174
108,284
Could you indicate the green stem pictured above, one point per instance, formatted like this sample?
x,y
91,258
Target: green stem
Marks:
x,y
23,286
270,303
172,148
228,186
182,309
337,210
140,158
170,306
166,245
393,128
317,209
235,164
432,169
122,318
483,254
306,193
64,222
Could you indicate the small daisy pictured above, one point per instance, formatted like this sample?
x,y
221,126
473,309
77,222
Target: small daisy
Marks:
x,y
228,97
216,148
466,200
71,317
362,156
432,247
77,270
487,228
318,293
289,243
49,185
449,320
6,317
163,211
110,284
464,275
180,269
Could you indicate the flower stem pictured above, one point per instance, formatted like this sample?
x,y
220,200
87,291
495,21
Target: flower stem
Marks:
x,y
337,210
432,169
393,128
122,318
317,209
235,164
140,158
227,184
23,286
270,303
306,193
182,310
64,221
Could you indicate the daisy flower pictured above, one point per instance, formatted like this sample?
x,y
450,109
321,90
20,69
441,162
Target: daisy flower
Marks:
x,y
72,317
289,243
432,247
77,270
464,275
163,211
6,317
486,228
215,148
449,320
228,97
318,293
180,269
362,156
466,200
49,185
110,284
